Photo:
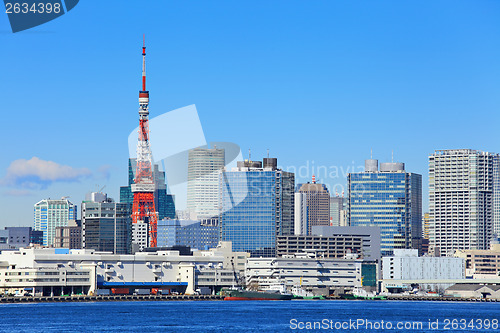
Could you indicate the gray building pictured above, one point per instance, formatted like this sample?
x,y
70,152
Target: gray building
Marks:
x,y
106,226
370,236
17,237
334,247
463,200
337,207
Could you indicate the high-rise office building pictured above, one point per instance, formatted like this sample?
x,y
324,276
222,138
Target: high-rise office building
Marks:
x,y
337,207
49,214
496,197
164,202
257,204
318,204
106,225
462,200
203,181
389,198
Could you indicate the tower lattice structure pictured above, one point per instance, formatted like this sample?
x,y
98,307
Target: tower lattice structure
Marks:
x,y
143,207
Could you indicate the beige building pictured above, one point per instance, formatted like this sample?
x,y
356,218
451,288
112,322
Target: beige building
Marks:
x,y
467,290
481,264
69,237
318,204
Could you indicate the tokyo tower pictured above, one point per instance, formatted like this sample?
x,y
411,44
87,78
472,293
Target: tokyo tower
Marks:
x,y
143,207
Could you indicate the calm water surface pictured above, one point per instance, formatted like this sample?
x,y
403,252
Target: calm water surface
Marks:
x,y
248,316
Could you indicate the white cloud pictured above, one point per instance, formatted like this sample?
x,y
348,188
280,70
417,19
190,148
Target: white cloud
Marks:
x,y
37,173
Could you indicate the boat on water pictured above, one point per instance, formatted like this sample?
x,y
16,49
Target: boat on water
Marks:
x,y
300,293
246,295
360,293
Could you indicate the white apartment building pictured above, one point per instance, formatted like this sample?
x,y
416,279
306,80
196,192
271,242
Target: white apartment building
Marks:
x,y
203,181
406,268
50,214
464,208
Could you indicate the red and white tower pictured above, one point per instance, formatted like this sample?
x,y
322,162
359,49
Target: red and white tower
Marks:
x,y
143,208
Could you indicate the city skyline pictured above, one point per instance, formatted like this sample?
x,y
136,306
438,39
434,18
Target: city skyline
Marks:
x,y
366,87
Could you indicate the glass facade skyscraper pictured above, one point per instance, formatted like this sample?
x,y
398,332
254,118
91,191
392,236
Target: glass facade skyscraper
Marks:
x,y
49,214
164,202
390,199
257,204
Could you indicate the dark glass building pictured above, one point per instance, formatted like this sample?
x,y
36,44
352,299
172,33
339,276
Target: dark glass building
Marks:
x,y
107,226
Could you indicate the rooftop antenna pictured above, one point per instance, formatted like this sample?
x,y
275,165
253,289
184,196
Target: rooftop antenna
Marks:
x,y
371,154
267,152
249,154
392,158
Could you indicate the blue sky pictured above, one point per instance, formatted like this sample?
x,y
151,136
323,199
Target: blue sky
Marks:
x,y
317,82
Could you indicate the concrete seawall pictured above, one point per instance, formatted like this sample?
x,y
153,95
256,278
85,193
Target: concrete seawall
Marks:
x,y
41,299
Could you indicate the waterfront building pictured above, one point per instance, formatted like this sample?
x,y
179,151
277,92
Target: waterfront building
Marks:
x,y
69,237
4,239
481,264
322,276
462,199
164,202
106,225
257,204
318,204
52,271
204,165
406,268
389,198
338,206
191,233
474,290
370,238
49,214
